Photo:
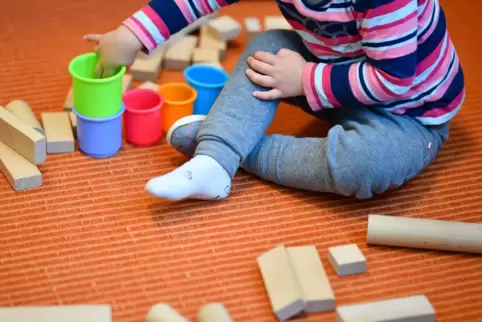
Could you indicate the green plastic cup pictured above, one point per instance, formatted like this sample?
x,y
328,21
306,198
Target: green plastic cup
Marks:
x,y
95,97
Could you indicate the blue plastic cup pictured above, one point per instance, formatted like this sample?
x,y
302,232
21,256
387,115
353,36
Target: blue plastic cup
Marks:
x,y
99,137
208,81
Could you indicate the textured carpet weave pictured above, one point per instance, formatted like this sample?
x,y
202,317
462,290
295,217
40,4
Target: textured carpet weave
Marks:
x,y
91,234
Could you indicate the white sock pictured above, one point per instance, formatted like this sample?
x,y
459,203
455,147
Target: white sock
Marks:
x,y
201,178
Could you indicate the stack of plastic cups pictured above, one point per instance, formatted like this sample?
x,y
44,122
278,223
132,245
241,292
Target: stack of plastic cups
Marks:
x,y
98,106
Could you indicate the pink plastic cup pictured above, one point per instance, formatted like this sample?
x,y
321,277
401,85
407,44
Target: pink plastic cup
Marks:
x,y
142,118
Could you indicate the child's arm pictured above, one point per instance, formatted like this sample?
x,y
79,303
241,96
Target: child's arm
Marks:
x,y
157,21
389,32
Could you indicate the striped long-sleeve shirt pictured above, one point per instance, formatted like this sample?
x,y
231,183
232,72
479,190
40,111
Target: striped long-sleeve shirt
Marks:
x,y
391,54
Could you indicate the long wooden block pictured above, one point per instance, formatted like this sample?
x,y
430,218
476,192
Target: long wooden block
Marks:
x,y
147,67
20,173
312,278
22,138
424,233
22,110
276,22
214,312
407,309
61,313
69,100
73,122
58,131
347,260
178,56
253,26
205,55
282,286
224,28
163,312
207,40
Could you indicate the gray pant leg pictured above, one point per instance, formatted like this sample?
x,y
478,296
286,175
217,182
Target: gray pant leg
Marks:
x,y
238,120
367,153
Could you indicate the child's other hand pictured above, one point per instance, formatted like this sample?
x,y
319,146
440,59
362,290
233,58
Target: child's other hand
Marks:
x,y
116,48
282,73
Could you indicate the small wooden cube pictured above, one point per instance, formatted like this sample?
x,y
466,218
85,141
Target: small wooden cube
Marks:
x,y
274,22
224,28
147,67
58,132
207,40
253,26
347,260
150,85
178,55
204,55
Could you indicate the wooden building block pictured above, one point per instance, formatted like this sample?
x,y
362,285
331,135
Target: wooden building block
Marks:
x,y
22,138
60,313
282,286
205,55
274,22
126,82
312,278
149,85
69,100
178,55
214,312
162,312
253,26
347,260
407,309
73,122
224,28
58,131
207,40
424,233
147,67
21,173
22,110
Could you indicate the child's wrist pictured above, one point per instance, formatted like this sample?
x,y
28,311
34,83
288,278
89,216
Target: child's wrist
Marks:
x,y
130,38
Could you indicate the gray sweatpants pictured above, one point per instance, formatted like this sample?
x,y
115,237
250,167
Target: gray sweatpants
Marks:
x,y
367,151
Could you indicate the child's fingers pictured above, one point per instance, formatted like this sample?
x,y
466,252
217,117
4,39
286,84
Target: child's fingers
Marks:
x,y
265,57
272,94
261,80
260,66
108,72
93,37
99,70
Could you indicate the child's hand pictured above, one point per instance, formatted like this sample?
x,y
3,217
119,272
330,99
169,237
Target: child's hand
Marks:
x,y
116,48
282,72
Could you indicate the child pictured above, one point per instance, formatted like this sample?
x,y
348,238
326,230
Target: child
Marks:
x,y
384,73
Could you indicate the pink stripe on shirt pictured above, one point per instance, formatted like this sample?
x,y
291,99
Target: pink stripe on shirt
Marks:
x,y
157,21
141,32
184,7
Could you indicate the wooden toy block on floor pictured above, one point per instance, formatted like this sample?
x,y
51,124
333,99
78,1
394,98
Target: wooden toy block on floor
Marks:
x,y
60,313
22,110
253,26
147,67
178,55
69,100
162,312
73,122
214,312
205,55
347,260
126,82
273,22
149,85
58,131
407,309
22,138
224,28
20,173
422,233
284,291
312,278
207,40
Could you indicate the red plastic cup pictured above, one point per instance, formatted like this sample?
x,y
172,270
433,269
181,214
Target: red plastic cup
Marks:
x,y
142,118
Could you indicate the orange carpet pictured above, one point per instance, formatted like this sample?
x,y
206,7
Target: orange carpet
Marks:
x,y
91,235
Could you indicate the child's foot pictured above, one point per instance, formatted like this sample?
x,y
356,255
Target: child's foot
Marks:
x,y
201,178
182,134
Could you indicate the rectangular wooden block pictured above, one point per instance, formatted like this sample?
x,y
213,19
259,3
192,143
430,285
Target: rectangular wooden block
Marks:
x,y
22,138
178,55
312,278
149,85
284,291
407,309
276,22
147,67
126,82
69,100
253,26
347,260
21,173
61,313
73,122
204,55
58,131
207,40
224,28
